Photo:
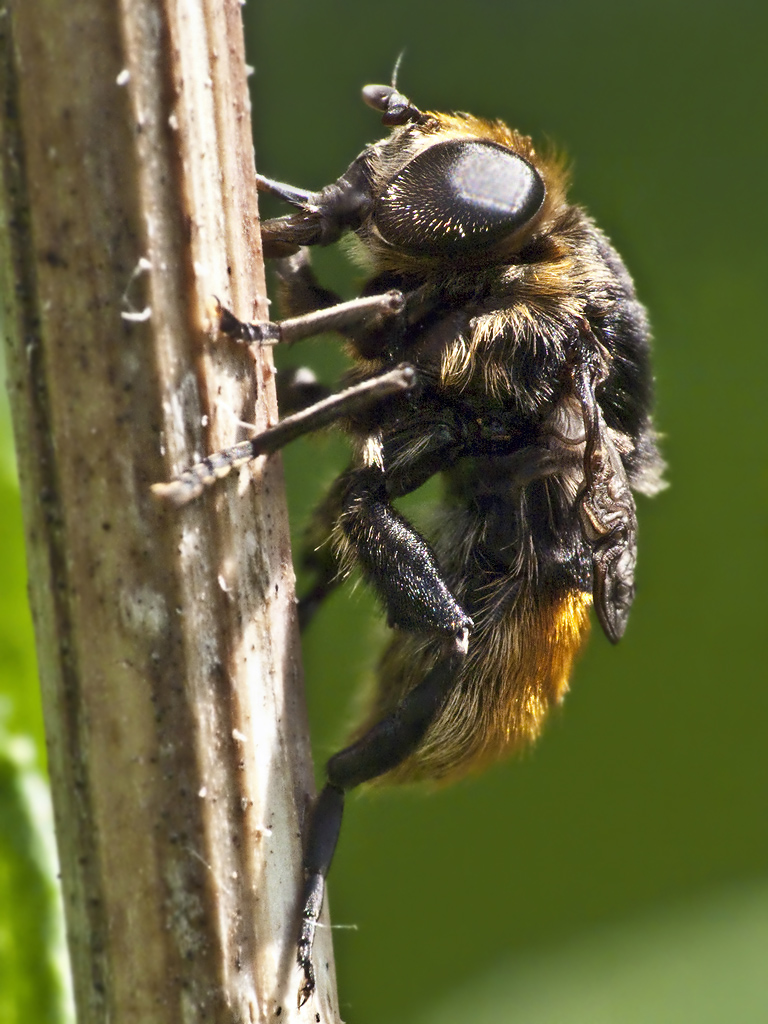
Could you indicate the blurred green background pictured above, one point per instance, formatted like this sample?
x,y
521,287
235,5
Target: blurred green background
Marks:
x,y
618,871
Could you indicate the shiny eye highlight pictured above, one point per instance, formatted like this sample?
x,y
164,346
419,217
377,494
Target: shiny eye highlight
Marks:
x,y
457,197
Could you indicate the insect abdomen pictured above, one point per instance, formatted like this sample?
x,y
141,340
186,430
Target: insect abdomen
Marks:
x,y
518,667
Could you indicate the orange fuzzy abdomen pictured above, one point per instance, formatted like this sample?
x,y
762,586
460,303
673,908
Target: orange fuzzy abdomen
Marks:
x,y
516,669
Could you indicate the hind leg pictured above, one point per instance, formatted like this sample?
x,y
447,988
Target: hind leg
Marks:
x,y
400,565
386,745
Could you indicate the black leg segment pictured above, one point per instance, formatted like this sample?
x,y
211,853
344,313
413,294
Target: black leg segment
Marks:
x,y
192,482
370,314
321,844
397,561
381,749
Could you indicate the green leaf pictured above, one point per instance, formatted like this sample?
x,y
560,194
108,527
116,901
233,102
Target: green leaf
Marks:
x,y
33,963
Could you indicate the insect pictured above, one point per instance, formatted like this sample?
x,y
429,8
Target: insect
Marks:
x,y
498,342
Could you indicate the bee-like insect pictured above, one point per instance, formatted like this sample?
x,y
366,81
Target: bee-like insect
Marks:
x,y
499,342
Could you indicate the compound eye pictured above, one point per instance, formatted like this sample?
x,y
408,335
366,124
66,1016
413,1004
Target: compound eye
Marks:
x,y
458,196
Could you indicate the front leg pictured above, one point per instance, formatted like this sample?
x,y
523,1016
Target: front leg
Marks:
x,y
373,324
606,505
369,314
323,216
298,289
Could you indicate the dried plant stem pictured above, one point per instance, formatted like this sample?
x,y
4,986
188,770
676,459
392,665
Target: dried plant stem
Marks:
x,y
166,637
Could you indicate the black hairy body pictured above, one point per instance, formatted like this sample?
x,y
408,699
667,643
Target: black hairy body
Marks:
x,y
498,342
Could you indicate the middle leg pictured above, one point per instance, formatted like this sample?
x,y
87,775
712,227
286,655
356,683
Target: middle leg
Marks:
x,y
191,483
